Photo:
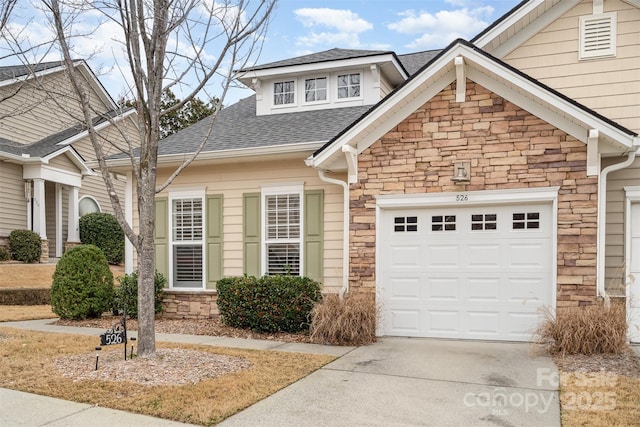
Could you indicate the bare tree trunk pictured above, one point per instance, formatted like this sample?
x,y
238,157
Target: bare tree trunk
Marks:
x,y
146,274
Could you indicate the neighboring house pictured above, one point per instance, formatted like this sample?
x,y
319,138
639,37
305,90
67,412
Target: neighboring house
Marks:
x,y
466,188
46,179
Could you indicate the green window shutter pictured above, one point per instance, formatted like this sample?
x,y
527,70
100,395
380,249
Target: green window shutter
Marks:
x,y
214,240
161,236
313,233
251,235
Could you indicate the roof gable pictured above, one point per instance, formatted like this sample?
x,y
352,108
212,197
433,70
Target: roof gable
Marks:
x,y
493,74
522,22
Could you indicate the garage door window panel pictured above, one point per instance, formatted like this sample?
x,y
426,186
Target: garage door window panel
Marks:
x,y
526,220
481,222
443,223
405,224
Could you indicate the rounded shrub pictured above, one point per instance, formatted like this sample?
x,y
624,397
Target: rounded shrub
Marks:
x,y
126,294
82,284
103,230
4,254
25,245
267,304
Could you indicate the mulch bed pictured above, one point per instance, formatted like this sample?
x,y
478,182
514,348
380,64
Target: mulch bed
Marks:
x,y
209,327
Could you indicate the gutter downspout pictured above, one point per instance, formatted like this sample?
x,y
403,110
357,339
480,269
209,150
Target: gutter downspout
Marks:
x,y
345,244
602,218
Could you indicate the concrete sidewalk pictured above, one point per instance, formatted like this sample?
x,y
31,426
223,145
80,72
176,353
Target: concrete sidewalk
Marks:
x,y
394,382
31,410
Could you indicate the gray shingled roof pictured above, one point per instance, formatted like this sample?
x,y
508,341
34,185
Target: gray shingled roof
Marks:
x,y
314,58
42,148
237,127
9,72
413,62
49,144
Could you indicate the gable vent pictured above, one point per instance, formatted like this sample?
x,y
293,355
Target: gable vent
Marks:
x,y
598,35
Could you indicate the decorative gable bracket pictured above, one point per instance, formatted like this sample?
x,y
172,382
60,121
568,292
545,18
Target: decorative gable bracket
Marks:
x,y
351,155
461,79
593,156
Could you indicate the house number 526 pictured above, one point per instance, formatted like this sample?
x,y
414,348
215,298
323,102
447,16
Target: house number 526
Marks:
x,y
462,198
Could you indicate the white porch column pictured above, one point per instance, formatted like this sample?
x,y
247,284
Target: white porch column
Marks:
x,y
73,232
39,211
58,220
128,215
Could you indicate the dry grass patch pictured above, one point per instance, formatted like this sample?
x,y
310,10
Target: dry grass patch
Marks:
x,y
34,276
27,360
14,313
350,321
599,399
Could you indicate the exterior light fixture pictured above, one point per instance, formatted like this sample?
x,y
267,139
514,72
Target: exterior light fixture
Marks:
x,y
461,172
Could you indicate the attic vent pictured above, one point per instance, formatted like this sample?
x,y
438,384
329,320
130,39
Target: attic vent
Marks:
x,y
598,35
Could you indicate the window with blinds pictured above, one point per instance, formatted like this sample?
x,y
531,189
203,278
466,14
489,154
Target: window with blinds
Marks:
x,y
187,242
282,233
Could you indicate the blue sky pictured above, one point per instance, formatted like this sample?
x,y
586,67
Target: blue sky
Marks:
x,y
299,27
304,26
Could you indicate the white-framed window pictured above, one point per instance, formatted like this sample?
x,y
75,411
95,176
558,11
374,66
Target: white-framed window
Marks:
x,y
187,240
349,85
598,35
284,92
282,230
87,205
315,89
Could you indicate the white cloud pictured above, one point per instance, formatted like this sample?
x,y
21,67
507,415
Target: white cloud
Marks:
x,y
439,29
342,20
343,27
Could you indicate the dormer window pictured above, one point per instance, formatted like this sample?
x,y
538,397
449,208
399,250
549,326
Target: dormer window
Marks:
x,y
349,86
315,89
284,92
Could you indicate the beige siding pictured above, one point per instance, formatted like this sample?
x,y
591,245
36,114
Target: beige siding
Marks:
x,y
615,239
233,180
94,185
13,205
610,86
63,162
34,113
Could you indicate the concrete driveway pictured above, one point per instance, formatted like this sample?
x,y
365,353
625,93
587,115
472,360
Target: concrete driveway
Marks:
x,y
409,381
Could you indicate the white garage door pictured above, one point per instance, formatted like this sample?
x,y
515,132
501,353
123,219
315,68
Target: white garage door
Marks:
x,y
470,273
633,300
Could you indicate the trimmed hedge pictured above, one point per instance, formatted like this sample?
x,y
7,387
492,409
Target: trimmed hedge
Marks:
x,y
25,297
126,294
25,245
267,304
103,230
82,284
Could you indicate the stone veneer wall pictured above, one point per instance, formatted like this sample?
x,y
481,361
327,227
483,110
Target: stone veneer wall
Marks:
x,y
508,148
190,304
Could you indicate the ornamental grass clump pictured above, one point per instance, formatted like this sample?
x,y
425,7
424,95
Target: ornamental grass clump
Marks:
x,y
82,284
347,321
267,304
594,329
